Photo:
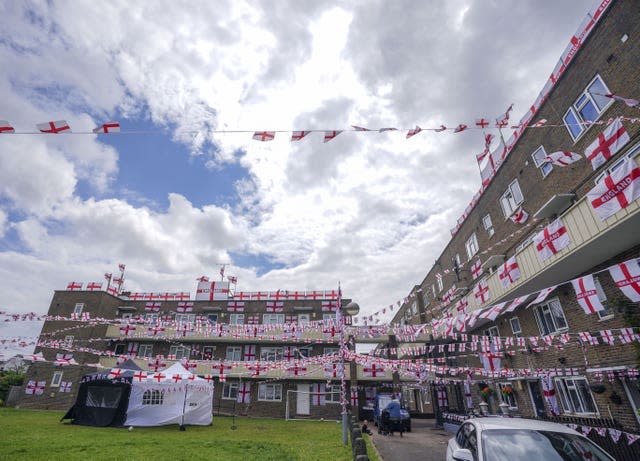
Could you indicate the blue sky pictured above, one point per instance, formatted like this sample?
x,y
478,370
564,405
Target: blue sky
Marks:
x,y
369,210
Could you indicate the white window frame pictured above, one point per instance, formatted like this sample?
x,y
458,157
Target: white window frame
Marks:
x,y
185,318
511,400
233,354
433,290
269,392
488,225
145,350
271,354
513,330
472,246
151,318
544,167
607,313
56,379
181,352
230,390
326,316
78,308
272,318
153,397
492,332
580,102
458,260
440,283
540,312
511,199
68,340
632,154
425,299
122,346
572,400
332,393
236,319
304,319
126,315
330,350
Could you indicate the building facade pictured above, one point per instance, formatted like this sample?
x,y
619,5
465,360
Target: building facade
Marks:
x,y
482,294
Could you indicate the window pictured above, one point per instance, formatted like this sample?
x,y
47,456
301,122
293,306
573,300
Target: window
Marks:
x,y
304,319
120,349
458,260
153,397
269,319
575,395
488,225
467,438
550,317
145,350
207,352
331,350
632,388
181,352
607,313
56,379
633,153
587,108
507,394
212,318
151,318
328,316
236,319
229,391
440,284
414,308
78,308
425,299
233,354
511,198
332,393
538,159
472,246
270,392
185,318
68,340
492,332
515,325
433,290
126,315
270,354
304,352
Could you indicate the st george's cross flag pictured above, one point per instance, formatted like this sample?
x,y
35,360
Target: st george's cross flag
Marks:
x,y
108,127
587,295
329,135
244,393
264,135
551,239
610,141
318,394
476,269
616,191
481,292
562,158
413,132
519,216
626,276
59,126
509,272
211,291
298,135
5,127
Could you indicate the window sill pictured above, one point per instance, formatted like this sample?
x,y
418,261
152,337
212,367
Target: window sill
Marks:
x,y
606,317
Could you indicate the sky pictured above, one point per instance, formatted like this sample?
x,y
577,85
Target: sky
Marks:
x,y
173,197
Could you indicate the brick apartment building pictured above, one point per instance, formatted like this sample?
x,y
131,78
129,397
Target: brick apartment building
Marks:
x,y
591,378
273,347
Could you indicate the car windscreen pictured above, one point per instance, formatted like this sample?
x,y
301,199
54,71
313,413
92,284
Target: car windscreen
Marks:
x,y
532,445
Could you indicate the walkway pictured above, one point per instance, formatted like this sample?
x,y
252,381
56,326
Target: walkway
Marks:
x,y
424,442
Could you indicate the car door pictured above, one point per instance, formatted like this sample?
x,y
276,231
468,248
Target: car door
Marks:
x,y
459,441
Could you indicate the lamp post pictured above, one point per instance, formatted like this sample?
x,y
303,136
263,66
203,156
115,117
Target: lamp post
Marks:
x,y
350,309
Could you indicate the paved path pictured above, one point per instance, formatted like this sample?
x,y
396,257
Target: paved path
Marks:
x,y
424,443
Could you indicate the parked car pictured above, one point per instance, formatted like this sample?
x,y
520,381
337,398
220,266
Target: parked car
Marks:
x,y
512,439
380,404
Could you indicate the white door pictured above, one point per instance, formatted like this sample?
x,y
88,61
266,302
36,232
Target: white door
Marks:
x,y
303,402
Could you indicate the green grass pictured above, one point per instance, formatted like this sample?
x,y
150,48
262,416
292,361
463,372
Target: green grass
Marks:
x,y
38,435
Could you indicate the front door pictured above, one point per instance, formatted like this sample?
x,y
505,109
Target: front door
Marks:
x,y
536,398
303,402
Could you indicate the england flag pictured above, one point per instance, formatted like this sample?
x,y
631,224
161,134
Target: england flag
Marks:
x,y
616,191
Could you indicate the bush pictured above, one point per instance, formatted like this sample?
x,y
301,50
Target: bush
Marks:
x,y
8,379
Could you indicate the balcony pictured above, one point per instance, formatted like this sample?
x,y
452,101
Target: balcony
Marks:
x,y
592,242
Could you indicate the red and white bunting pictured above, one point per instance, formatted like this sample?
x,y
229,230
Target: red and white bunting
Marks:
x,y
74,286
109,127
94,286
462,305
5,127
184,307
414,131
610,141
440,129
59,126
509,272
264,135
318,394
329,306
492,312
257,369
628,101
551,239
296,369
607,337
127,330
542,295
244,393
626,276
249,353
519,216
298,135
476,269
562,158
152,307
482,123
460,128
516,302
333,370
360,128
354,397
481,292
586,338
587,295
329,135
616,191
373,371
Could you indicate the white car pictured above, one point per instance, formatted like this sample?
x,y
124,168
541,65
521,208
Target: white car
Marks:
x,y
513,439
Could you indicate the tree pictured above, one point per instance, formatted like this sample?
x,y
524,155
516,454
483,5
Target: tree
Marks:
x,y
8,379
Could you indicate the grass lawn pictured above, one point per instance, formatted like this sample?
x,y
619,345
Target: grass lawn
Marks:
x,y
38,435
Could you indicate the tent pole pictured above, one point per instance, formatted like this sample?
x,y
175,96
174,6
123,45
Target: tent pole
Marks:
x,y
184,406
